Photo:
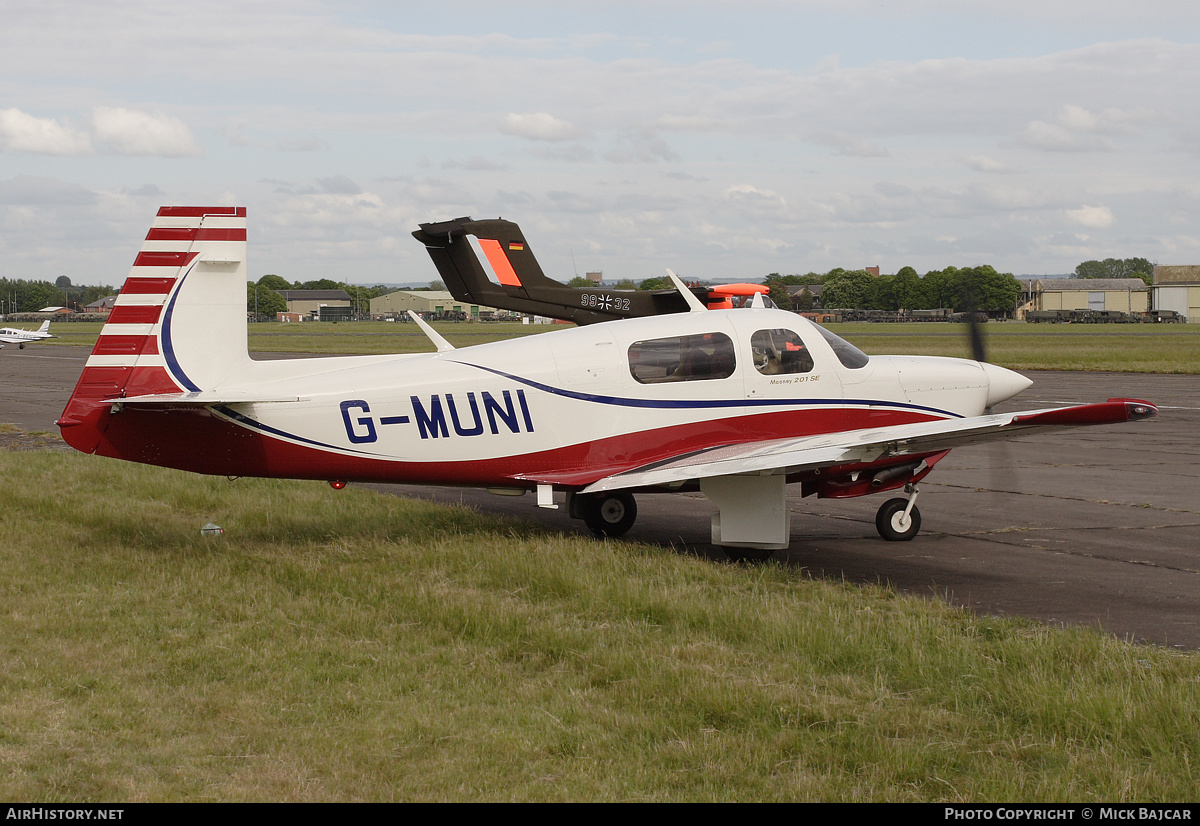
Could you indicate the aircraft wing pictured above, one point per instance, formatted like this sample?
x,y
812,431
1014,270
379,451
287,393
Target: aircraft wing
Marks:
x,y
787,456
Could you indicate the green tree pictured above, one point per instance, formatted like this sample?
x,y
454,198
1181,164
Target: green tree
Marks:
x,y
656,284
274,282
936,290
846,289
263,301
906,288
1116,268
319,284
778,291
881,295
982,288
580,281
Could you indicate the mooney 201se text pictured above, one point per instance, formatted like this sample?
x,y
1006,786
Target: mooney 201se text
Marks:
x,y
735,403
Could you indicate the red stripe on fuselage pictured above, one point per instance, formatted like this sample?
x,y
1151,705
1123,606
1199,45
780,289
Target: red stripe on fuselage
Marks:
x,y
169,437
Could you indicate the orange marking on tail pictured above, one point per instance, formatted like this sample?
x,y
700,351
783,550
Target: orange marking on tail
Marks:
x,y
499,261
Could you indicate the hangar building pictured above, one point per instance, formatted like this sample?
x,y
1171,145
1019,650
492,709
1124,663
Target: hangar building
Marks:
x,y
426,302
1178,289
330,304
1126,295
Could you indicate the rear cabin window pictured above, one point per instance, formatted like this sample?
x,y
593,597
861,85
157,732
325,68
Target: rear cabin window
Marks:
x,y
779,352
682,358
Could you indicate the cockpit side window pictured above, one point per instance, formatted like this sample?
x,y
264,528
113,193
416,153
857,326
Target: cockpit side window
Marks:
x,y
779,352
849,355
682,358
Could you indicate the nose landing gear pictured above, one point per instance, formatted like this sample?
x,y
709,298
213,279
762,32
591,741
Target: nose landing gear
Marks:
x,y
898,520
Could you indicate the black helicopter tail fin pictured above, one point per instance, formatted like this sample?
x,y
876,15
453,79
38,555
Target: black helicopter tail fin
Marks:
x,y
508,269
508,277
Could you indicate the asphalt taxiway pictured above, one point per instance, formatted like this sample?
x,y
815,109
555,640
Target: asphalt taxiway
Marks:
x,y
1092,526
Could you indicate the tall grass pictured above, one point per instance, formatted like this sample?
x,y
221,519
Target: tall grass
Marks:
x,y
356,646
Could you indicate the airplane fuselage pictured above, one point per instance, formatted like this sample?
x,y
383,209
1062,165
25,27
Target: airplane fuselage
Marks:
x,y
567,404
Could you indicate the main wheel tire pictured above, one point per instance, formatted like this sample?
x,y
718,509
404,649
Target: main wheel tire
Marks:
x,y
890,523
611,514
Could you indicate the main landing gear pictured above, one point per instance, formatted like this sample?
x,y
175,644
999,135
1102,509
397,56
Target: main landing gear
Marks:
x,y
606,514
898,520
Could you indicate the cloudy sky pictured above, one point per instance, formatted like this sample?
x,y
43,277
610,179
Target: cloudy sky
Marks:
x,y
719,139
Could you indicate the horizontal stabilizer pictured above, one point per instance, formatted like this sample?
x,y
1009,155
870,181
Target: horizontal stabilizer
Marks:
x,y
206,398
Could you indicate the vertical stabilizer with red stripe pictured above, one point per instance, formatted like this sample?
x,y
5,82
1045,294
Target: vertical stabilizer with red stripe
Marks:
x,y
179,323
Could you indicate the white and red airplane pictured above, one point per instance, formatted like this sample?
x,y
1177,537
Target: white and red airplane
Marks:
x,y
736,403
19,337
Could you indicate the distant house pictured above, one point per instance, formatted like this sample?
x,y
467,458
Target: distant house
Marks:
x,y
104,305
56,310
798,293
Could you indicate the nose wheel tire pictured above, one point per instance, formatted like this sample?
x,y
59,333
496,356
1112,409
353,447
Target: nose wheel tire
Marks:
x,y
611,514
892,525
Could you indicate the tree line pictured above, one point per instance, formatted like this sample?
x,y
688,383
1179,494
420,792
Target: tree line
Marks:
x,y
978,288
262,296
960,289
19,295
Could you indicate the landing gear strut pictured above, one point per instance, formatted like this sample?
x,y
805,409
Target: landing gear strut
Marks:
x,y
898,520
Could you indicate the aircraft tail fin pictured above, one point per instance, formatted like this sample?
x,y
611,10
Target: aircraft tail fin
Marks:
x,y
178,325
45,328
507,276
506,254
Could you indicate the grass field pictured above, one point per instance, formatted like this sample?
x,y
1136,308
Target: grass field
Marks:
x,y
1137,348
356,646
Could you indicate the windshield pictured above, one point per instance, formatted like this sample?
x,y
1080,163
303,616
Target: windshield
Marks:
x,y
849,355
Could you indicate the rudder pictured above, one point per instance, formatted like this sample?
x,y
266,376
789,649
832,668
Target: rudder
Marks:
x,y
178,325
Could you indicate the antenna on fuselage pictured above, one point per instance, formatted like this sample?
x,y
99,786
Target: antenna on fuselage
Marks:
x,y
694,305
440,343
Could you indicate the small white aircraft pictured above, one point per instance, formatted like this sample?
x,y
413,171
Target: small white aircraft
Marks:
x,y
19,337
735,403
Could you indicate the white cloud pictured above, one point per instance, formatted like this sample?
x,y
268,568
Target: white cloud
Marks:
x,y
128,132
984,163
851,145
22,132
29,190
750,198
540,126
1097,217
